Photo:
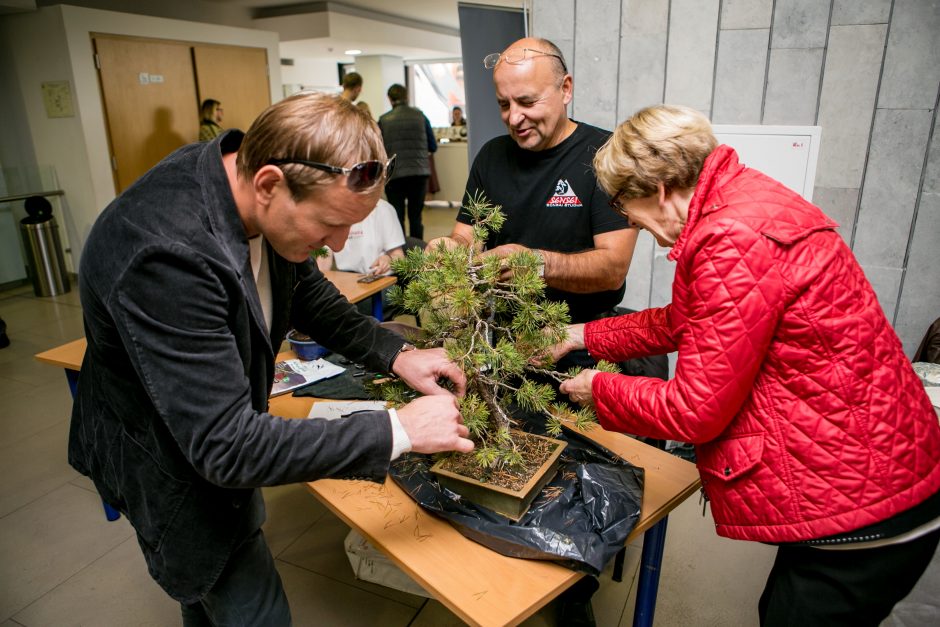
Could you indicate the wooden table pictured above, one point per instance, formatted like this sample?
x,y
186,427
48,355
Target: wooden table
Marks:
x,y
480,586
348,285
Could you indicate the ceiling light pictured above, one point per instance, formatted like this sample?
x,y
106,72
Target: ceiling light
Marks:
x,y
353,52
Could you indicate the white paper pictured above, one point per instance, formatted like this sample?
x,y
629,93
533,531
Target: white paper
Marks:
x,y
934,394
315,370
331,410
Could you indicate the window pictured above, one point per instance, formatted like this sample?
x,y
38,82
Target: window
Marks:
x,y
438,87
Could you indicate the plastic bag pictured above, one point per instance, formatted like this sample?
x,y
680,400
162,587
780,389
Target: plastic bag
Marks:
x,y
581,528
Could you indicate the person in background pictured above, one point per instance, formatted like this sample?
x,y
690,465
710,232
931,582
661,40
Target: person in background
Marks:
x,y
210,120
370,248
372,244
407,133
812,430
456,117
171,416
352,86
362,104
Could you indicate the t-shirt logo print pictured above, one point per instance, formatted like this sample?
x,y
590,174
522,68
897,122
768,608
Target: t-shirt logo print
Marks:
x,y
564,196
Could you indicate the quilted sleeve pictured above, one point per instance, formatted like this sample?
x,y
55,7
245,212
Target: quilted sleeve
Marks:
x,y
638,334
728,297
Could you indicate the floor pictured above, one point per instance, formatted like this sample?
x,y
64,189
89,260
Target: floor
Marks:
x,y
62,563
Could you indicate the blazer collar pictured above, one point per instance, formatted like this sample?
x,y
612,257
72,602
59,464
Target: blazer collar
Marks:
x,y
227,224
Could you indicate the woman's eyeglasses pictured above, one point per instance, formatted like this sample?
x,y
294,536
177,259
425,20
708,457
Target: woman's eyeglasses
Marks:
x,y
359,178
615,204
518,55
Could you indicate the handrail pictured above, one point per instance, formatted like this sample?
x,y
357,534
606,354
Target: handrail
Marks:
x,y
55,192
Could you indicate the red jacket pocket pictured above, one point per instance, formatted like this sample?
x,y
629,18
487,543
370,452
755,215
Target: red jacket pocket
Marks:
x,y
732,457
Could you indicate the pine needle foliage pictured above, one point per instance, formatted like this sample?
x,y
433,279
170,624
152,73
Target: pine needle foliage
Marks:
x,y
493,328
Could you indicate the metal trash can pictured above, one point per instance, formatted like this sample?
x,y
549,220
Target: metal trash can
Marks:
x,y
43,249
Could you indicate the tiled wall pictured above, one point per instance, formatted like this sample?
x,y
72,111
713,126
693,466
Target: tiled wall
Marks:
x,y
866,71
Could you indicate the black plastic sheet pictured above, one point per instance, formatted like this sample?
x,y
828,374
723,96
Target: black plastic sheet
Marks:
x,y
347,386
582,528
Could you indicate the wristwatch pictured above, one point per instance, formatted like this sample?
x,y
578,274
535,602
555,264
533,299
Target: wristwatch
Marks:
x,y
541,258
407,346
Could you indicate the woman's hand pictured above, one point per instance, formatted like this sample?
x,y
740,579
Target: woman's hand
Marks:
x,y
574,341
579,389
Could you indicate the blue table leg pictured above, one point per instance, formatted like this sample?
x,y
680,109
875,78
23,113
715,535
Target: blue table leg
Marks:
x,y
72,376
109,512
654,541
377,306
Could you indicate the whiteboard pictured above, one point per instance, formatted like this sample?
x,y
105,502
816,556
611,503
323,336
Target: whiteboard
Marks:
x,y
786,153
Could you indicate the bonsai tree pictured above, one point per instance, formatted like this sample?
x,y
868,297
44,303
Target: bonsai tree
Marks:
x,y
496,329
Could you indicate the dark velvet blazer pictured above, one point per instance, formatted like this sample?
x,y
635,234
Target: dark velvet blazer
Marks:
x,y
170,419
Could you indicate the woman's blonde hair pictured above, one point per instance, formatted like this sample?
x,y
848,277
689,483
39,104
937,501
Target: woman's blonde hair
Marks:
x,y
314,127
660,144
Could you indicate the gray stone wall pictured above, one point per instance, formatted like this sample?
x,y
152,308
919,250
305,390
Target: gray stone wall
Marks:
x,y
866,71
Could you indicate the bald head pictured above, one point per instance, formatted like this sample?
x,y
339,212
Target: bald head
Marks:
x,y
538,48
533,91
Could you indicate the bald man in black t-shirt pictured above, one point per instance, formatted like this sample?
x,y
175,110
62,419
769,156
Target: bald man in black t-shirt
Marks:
x,y
542,177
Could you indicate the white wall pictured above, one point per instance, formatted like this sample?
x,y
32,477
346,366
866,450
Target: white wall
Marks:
x,y
54,43
379,72
311,74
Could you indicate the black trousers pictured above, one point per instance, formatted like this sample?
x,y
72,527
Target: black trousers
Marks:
x,y
813,587
413,190
248,592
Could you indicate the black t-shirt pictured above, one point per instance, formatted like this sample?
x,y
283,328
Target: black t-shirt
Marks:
x,y
551,201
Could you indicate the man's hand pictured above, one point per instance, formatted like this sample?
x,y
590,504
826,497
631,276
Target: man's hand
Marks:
x,y
502,252
579,389
422,368
434,424
448,242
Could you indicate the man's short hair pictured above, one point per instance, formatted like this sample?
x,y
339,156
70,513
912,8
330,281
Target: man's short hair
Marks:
x,y
397,93
352,80
325,128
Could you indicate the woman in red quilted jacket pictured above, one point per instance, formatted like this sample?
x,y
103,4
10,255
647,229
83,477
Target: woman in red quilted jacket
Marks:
x,y
812,431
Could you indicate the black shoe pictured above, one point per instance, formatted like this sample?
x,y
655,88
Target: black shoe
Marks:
x,y
574,604
4,340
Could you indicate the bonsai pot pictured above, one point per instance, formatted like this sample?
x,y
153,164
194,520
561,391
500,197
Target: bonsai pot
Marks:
x,y
305,348
510,503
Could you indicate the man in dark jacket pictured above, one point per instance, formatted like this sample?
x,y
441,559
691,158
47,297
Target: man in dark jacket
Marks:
x,y
189,281
407,133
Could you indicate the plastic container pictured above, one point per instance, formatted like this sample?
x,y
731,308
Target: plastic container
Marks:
x,y
305,348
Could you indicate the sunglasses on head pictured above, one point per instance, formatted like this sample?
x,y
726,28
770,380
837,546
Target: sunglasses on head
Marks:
x,y
359,178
